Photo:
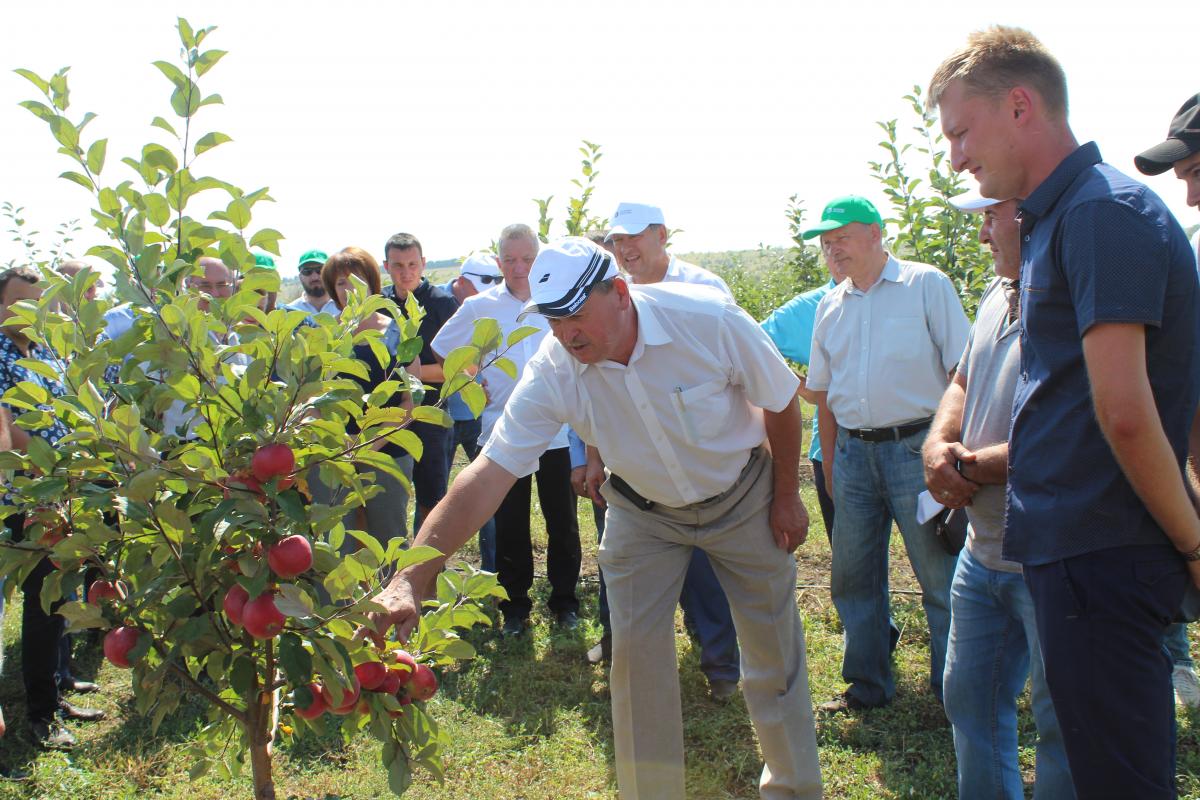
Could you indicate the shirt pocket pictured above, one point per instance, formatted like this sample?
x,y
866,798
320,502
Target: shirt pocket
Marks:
x,y
703,410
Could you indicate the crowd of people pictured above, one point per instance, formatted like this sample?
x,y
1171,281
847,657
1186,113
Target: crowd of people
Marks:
x,y
1059,424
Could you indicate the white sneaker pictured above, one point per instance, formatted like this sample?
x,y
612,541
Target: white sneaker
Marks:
x,y
1187,686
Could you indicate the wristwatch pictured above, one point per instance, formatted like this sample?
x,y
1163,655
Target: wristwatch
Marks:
x,y
1192,555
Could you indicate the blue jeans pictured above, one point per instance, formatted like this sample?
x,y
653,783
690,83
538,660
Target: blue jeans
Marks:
x,y
993,646
875,483
465,434
1177,645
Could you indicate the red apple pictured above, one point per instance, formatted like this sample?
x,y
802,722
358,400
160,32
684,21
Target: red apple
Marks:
x,y
371,674
424,683
272,461
290,556
261,618
407,666
317,707
117,644
234,603
102,590
391,681
349,699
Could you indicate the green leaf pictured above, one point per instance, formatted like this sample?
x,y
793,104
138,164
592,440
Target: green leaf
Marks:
x,y
506,366
408,440
293,602
143,486
486,335
159,122
176,524
174,75
521,333
432,415
41,83
297,662
95,156
42,368
399,775
186,101
459,359
82,615
268,239
41,454
475,397
210,140
80,178
459,649
207,60
242,674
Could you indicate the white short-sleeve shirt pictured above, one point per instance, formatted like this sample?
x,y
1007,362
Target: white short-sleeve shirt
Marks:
x,y
678,421
681,271
500,304
884,355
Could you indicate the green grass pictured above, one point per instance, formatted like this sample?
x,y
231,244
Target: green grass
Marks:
x,y
530,719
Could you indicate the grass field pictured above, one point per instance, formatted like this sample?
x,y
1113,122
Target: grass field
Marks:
x,y
530,719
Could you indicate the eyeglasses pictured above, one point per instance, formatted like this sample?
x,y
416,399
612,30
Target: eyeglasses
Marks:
x,y
485,279
306,271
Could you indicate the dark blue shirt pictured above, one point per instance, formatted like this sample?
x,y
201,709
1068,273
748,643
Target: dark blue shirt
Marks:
x,y
439,306
1096,246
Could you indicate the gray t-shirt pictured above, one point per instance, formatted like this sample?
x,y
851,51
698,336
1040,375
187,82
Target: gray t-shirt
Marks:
x,y
990,364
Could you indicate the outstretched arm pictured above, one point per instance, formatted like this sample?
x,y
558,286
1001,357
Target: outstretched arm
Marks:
x,y
471,501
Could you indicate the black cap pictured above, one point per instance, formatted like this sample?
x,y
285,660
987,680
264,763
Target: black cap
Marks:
x,y
1183,139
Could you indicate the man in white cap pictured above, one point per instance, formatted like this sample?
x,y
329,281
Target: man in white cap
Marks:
x,y
478,272
639,241
993,643
639,237
680,390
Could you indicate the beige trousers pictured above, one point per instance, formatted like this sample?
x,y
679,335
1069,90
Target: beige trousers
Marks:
x,y
644,556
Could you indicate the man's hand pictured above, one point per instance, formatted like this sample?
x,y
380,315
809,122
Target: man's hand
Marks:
x,y
807,394
944,481
403,610
789,521
577,481
594,477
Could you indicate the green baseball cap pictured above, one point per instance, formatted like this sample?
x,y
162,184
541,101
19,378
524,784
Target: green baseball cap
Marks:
x,y
843,211
264,260
319,256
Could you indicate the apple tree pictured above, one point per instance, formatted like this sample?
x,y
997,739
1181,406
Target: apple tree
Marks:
x,y
208,563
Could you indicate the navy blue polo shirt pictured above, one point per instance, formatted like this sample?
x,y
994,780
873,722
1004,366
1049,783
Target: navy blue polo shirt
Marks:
x,y
1096,246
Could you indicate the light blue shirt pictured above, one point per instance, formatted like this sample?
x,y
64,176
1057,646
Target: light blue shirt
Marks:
x,y
790,327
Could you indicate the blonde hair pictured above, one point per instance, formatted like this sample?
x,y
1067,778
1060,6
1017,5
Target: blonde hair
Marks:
x,y
999,58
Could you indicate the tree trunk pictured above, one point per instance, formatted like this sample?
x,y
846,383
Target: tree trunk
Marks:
x,y
261,732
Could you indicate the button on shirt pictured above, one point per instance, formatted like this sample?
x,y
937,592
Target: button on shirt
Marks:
x,y
1097,246
883,355
678,421
500,304
791,328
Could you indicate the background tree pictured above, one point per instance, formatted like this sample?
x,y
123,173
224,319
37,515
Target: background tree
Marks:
x,y
214,573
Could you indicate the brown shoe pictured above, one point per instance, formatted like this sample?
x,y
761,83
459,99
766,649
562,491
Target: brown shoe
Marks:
x,y
722,690
844,703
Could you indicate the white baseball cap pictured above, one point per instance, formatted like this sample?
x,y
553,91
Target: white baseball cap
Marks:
x,y
481,269
972,201
564,274
632,218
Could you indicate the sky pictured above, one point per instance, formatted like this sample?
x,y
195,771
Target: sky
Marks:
x,y
446,119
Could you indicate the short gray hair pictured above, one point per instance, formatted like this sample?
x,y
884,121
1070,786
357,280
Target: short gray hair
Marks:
x,y
518,230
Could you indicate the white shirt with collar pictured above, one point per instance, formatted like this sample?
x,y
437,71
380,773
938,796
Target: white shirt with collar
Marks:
x,y
500,304
678,421
302,304
884,355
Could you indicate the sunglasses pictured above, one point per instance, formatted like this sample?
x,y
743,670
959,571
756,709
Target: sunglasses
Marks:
x,y
485,279
310,271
